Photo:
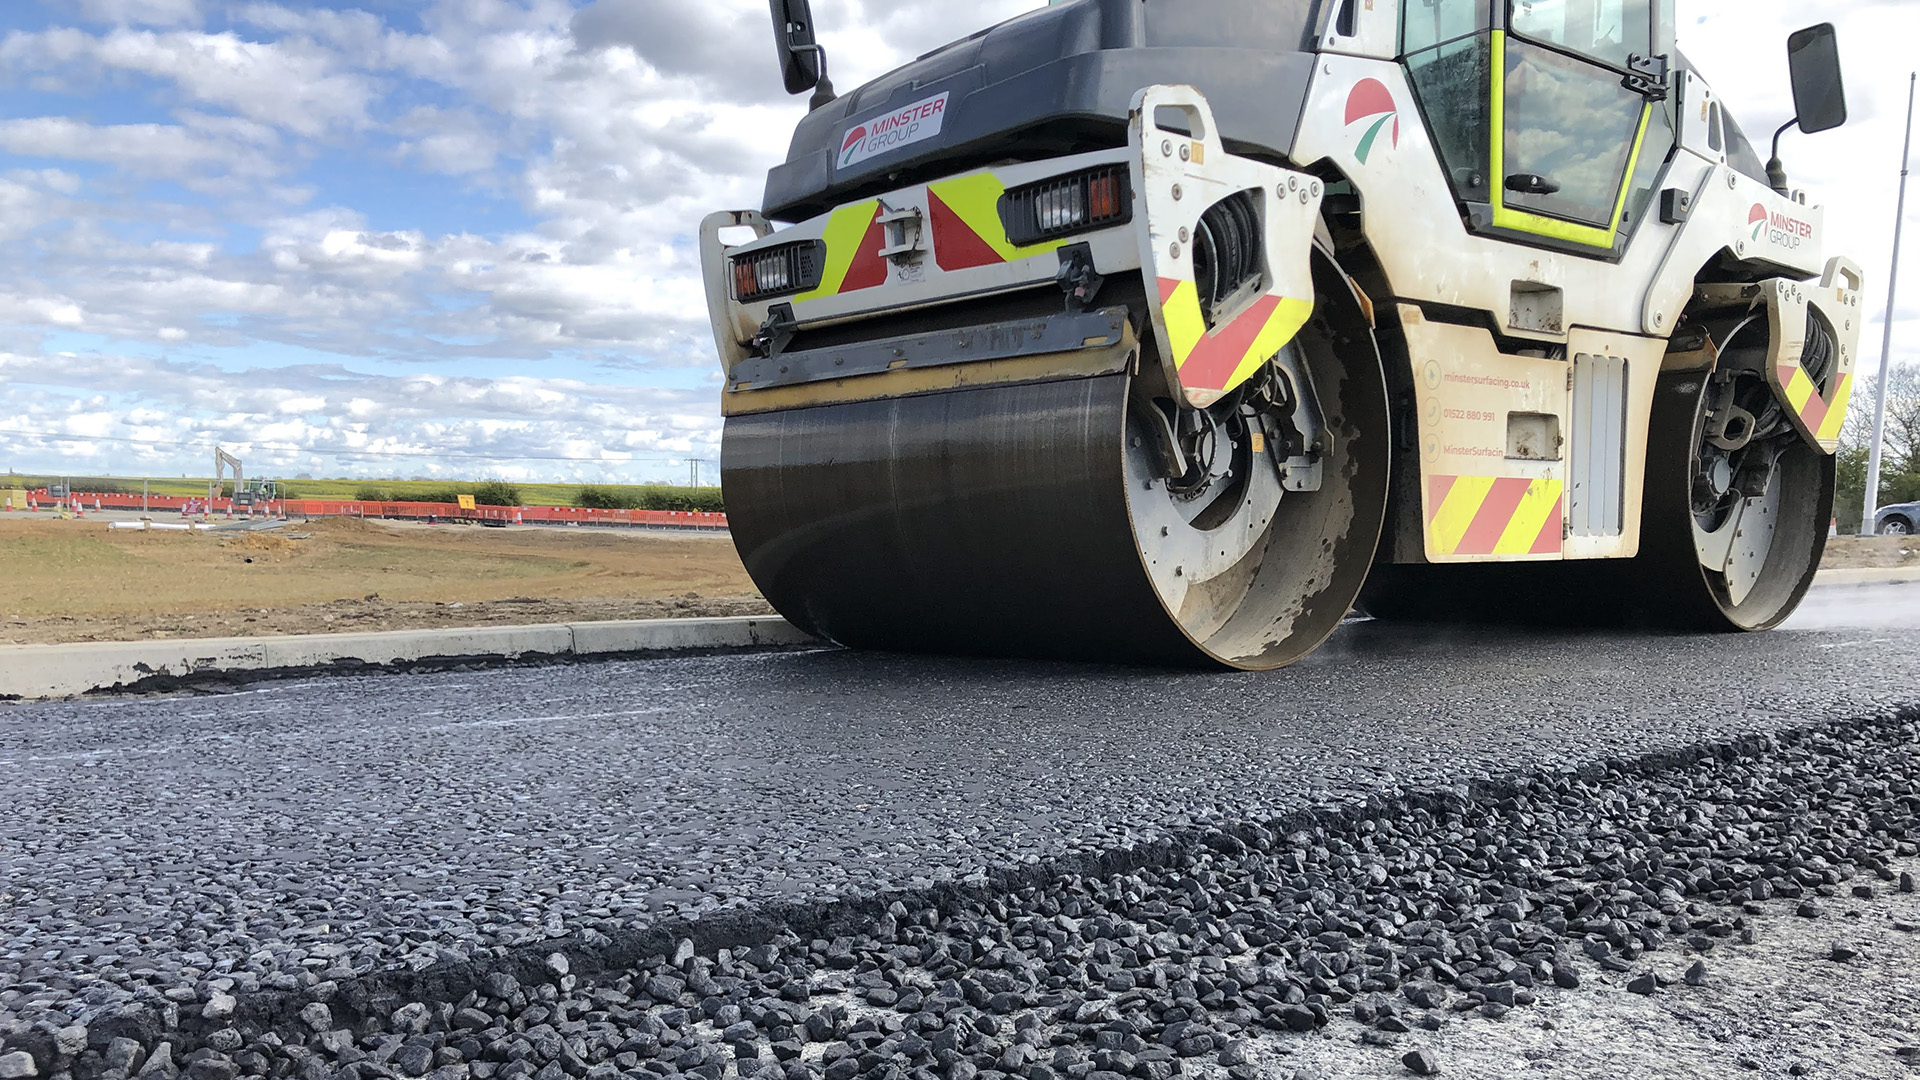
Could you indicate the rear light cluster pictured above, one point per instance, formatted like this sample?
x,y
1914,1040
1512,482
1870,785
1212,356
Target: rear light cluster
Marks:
x,y
779,271
1065,205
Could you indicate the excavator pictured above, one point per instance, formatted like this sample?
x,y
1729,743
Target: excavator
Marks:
x,y
1174,332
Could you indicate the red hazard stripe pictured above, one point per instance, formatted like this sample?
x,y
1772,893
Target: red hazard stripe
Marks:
x,y
1218,353
868,268
1548,542
1815,411
1437,489
955,245
1495,514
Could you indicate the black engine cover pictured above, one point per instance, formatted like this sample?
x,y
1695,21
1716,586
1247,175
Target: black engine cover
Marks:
x,y
1058,81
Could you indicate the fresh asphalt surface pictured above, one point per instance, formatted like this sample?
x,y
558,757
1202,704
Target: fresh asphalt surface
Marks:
x,y
382,821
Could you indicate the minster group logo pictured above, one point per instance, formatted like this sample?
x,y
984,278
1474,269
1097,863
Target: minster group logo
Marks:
x,y
855,139
1757,217
1370,103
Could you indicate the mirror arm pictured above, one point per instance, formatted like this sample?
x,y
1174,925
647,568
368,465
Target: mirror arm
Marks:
x,y
822,90
1776,172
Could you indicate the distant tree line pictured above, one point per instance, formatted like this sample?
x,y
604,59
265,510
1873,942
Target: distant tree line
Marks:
x,y
485,493
1899,453
600,497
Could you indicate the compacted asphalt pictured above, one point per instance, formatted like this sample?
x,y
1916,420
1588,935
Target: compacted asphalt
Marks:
x,y
355,825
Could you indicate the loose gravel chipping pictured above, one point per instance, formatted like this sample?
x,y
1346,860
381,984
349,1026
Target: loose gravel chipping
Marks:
x,y
1192,957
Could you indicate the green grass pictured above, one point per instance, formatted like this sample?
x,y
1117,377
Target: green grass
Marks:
x,y
638,495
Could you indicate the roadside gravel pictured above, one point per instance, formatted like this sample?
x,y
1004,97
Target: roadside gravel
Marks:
x,y
1783,1005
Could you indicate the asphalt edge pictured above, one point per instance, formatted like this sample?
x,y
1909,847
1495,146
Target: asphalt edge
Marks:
x,y
590,953
40,672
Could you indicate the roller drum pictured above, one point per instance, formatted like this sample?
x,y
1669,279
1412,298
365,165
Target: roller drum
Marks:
x,y
1034,519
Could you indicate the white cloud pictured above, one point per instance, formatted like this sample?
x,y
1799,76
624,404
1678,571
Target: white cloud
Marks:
x,y
294,83
197,159
450,141
142,12
520,427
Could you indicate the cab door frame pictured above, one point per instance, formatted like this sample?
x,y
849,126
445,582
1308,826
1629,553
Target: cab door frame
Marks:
x,y
1532,223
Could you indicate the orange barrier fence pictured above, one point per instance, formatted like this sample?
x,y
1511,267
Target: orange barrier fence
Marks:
x,y
405,511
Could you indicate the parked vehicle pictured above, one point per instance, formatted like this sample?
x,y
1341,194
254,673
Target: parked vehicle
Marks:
x,y
1900,519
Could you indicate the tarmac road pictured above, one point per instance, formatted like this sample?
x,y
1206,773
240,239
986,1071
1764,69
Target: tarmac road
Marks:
x,y
1870,607
363,824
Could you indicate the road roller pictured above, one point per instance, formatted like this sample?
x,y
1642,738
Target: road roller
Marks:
x,y
1176,332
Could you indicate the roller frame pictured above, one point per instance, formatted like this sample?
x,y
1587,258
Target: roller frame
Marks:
x,y
1177,176
1817,412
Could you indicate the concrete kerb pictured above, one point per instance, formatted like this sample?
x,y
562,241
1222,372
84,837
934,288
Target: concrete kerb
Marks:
x,y
1879,575
35,672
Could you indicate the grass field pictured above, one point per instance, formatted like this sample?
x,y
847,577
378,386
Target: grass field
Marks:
x,y
79,581
391,490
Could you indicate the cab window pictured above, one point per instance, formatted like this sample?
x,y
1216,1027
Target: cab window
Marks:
x,y
1433,22
1609,31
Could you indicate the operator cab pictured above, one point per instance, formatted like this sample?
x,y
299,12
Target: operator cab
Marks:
x,y
1553,118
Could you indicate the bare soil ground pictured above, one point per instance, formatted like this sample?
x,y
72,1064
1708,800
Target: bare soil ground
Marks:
x,y
1863,552
66,581
76,580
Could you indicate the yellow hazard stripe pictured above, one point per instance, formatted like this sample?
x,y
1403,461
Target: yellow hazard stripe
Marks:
x,y
1799,389
845,229
976,200
1185,325
1529,518
1282,325
1451,521
1837,412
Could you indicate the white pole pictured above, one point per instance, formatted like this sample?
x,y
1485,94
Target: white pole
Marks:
x,y
1871,502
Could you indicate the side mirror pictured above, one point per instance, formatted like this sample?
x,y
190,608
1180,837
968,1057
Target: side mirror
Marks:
x,y
793,37
1819,99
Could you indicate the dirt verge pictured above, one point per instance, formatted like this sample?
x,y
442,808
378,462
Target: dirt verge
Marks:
x,y
72,581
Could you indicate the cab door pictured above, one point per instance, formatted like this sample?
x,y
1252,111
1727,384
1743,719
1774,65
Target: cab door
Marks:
x,y
1541,109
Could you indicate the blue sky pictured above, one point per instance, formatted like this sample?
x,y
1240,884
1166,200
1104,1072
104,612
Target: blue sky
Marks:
x,y
463,225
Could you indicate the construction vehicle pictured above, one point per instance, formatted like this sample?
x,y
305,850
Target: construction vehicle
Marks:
x,y
248,493
1167,331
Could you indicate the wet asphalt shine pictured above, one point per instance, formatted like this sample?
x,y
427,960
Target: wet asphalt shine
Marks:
x,y
827,866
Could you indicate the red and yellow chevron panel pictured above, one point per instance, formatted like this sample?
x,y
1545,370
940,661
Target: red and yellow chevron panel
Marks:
x,y
956,246
1822,416
1220,360
1494,515
854,238
964,217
